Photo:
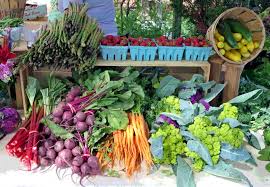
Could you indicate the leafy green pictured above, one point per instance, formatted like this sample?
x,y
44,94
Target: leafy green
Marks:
x,y
227,152
57,130
157,147
265,154
168,86
117,119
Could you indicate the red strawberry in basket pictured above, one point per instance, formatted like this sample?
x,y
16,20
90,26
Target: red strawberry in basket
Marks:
x,y
143,44
140,39
153,44
117,39
104,41
109,37
163,38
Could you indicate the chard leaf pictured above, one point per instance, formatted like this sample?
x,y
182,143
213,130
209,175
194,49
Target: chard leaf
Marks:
x,y
167,86
184,177
228,152
247,96
122,105
131,77
156,147
98,134
117,119
200,149
107,101
32,89
57,130
110,85
124,96
137,89
227,171
46,100
214,92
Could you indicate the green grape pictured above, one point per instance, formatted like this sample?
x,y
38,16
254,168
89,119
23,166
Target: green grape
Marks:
x,y
203,129
173,144
229,111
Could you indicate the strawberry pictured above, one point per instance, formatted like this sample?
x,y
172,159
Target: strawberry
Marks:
x,y
153,44
135,43
104,41
143,44
109,37
160,43
163,38
180,40
110,44
187,43
140,39
117,39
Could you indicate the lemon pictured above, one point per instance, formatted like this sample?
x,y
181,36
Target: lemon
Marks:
x,y
237,36
256,45
232,56
227,47
222,51
240,45
244,49
246,55
250,46
220,45
244,41
218,36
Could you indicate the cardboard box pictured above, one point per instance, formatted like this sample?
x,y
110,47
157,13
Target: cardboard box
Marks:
x,y
33,11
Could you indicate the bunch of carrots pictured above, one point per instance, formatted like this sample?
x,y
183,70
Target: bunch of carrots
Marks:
x,y
24,143
130,146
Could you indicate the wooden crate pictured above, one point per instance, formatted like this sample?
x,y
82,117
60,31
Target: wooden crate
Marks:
x,y
12,8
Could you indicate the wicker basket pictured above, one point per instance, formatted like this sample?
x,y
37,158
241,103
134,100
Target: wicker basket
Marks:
x,y
12,8
251,20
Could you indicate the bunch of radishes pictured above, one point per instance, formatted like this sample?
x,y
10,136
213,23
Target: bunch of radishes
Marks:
x,y
164,41
68,153
141,42
196,42
111,40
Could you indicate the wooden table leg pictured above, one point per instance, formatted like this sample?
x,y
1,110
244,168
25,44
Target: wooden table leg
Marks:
x,y
232,78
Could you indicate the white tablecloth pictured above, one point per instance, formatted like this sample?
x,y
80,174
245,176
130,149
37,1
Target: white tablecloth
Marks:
x,y
12,176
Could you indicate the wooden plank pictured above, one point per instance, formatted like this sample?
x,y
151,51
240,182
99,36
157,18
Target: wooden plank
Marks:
x,y
155,63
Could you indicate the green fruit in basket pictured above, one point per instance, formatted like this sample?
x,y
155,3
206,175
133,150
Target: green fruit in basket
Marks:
x,y
224,28
238,27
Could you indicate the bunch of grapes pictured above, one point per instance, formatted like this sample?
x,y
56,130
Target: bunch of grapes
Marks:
x,y
226,134
203,129
173,144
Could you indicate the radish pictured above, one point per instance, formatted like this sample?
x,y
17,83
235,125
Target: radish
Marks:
x,y
59,146
69,144
81,126
76,151
51,154
80,116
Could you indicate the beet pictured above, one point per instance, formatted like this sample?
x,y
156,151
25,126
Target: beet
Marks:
x,y
47,131
65,154
44,162
42,151
59,146
58,112
67,116
77,161
76,169
77,98
80,116
75,120
61,105
51,154
48,144
69,144
90,120
53,137
69,98
60,163
57,120
76,151
75,91
81,126
93,162
85,169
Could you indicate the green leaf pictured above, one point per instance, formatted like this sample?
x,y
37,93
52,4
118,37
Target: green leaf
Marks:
x,y
227,171
214,92
124,96
32,89
197,78
156,147
167,172
200,149
122,105
186,93
57,130
98,134
46,100
207,85
228,152
184,173
233,122
117,119
254,139
110,86
264,154
107,101
245,97
167,86
132,77
267,167
136,89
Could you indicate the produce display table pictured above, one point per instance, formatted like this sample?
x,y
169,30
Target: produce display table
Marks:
x,y
12,176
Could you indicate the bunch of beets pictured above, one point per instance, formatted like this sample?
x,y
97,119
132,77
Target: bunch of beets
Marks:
x,y
110,40
72,152
196,42
141,42
164,41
